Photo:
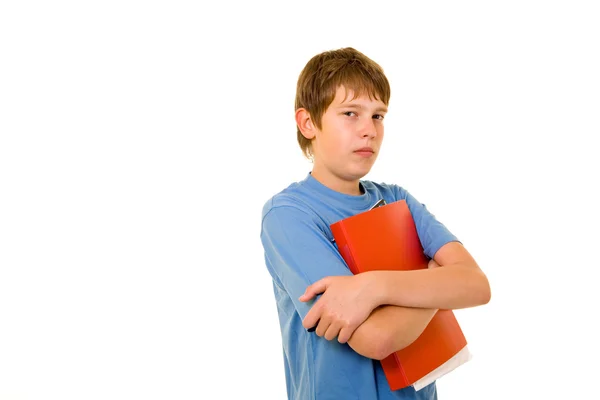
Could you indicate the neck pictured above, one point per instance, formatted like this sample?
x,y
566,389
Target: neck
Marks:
x,y
352,188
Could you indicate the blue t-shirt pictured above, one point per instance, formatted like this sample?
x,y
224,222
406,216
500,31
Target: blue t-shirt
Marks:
x,y
300,250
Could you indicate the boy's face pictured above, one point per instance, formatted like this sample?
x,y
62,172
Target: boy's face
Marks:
x,y
348,143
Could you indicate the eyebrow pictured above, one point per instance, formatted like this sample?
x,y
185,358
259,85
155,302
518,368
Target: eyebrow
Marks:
x,y
360,107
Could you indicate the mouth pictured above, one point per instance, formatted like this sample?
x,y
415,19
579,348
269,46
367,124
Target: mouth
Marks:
x,y
365,152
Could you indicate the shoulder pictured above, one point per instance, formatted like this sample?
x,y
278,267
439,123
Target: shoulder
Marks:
x,y
291,200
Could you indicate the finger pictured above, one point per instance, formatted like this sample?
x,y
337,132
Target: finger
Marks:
x,y
316,288
314,328
312,317
323,326
333,330
432,264
345,334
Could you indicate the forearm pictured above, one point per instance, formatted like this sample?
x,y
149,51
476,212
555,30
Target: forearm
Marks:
x,y
447,287
389,329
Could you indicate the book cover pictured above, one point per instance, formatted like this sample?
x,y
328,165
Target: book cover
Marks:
x,y
385,238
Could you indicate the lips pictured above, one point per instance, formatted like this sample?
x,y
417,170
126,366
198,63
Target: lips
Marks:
x,y
365,152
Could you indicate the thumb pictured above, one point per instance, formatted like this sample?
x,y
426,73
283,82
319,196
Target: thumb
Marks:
x,y
316,288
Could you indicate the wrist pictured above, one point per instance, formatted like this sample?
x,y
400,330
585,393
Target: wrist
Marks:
x,y
377,288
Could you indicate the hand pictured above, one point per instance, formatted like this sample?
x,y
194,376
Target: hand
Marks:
x,y
347,301
432,264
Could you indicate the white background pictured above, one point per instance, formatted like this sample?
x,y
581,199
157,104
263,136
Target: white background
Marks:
x,y
139,141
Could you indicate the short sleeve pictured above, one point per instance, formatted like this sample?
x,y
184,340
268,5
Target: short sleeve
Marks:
x,y
432,233
298,252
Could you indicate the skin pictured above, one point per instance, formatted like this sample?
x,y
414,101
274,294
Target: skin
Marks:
x,y
377,312
346,126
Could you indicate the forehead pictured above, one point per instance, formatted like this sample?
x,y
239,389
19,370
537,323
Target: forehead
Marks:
x,y
344,96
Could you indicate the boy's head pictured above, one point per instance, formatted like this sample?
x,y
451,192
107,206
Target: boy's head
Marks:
x,y
341,100
325,73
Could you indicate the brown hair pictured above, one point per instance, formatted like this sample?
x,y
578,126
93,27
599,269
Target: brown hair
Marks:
x,y
325,72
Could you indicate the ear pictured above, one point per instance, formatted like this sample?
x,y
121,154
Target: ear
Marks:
x,y
305,123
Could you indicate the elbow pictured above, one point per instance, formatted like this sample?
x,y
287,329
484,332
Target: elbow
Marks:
x,y
373,350
380,350
487,296
372,344
485,292
391,345
388,344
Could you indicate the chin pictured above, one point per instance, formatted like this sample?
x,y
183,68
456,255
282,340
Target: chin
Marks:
x,y
364,169
359,173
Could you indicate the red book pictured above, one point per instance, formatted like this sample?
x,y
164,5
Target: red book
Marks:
x,y
385,238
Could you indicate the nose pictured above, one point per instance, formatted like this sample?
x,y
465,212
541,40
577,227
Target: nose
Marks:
x,y
368,129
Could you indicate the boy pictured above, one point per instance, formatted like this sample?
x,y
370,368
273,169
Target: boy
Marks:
x,y
341,101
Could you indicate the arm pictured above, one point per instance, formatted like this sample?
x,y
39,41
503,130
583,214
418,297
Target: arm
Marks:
x,y
460,283
299,253
389,329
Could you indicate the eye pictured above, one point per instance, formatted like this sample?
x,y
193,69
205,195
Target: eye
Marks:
x,y
350,113
378,116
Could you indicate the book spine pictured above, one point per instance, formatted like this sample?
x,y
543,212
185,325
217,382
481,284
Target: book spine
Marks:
x,y
394,372
345,249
